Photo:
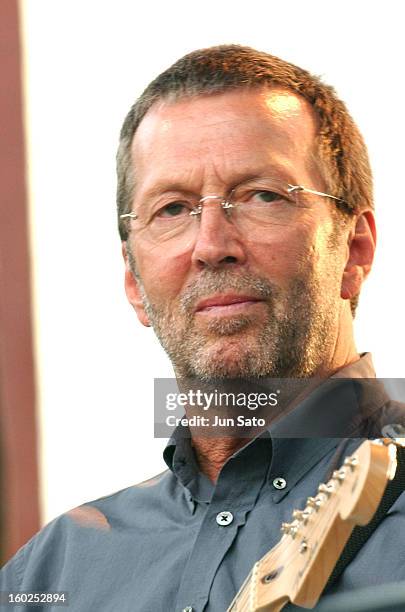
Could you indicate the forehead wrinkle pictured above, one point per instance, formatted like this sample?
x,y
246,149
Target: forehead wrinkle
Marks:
x,y
238,150
212,161
167,130
282,108
218,185
231,155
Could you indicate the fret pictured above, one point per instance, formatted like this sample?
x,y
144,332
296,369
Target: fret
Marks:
x,y
298,567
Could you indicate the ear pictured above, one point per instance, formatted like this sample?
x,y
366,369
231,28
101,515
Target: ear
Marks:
x,y
132,289
361,247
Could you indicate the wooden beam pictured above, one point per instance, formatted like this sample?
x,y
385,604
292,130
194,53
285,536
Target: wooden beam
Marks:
x,y
18,440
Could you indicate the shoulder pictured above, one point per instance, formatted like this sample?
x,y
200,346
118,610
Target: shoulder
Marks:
x,y
380,416
393,411
390,419
82,532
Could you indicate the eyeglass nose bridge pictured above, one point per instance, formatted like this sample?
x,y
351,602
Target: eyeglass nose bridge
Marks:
x,y
225,204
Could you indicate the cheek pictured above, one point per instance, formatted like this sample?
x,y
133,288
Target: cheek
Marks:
x,y
287,256
329,252
162,277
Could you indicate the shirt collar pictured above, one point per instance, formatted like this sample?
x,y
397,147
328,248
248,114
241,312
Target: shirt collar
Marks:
x,y
336,408
362,368
331,411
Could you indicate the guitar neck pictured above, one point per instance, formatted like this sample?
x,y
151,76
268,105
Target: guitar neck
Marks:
x,y
298,567
244,601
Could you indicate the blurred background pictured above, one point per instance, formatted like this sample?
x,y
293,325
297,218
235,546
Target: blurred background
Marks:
x,y
76,367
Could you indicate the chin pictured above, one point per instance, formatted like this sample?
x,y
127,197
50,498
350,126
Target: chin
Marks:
x,y
228,359
238,327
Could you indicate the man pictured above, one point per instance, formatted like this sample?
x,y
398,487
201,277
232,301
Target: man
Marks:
x,y
246,218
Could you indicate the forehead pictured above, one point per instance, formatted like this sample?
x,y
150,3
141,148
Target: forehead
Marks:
x,y
224,133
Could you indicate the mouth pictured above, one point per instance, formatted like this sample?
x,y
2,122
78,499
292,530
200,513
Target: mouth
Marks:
x,y
226,304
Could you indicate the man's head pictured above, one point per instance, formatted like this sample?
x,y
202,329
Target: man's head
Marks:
x,y
215,119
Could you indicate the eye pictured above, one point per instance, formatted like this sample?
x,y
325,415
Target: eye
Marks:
x,y
265,197
173,210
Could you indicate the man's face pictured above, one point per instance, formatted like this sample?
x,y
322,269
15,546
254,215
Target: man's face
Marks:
x,y
227,305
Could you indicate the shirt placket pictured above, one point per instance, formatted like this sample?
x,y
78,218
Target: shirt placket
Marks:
x,y
233,497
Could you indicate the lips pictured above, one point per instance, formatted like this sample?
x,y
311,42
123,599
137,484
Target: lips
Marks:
x,y
224,300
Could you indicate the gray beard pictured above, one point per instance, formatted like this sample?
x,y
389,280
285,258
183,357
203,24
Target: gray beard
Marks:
x,y
294,341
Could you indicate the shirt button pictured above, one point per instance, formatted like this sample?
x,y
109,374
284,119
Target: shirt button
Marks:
x,y
224,518
188,609
279,483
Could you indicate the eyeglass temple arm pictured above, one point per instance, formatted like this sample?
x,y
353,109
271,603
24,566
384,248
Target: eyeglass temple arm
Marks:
x,y
293,188
129,216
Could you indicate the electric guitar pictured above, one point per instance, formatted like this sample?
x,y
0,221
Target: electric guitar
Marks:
x,y
297,569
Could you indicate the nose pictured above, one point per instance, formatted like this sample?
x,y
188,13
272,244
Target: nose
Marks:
x,y
218,242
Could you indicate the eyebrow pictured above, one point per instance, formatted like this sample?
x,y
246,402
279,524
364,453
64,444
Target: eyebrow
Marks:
x,y
163,186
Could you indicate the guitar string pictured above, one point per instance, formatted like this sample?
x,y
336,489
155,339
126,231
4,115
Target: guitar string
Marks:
x,y
290,555
245,594
330,509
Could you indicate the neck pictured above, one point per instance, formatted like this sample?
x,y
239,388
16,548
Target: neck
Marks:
x,y
213,452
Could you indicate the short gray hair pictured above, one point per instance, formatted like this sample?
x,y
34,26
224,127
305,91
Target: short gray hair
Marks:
x,y
340,145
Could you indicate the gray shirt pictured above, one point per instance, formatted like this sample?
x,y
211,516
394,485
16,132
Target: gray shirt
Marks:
x,y
178,542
